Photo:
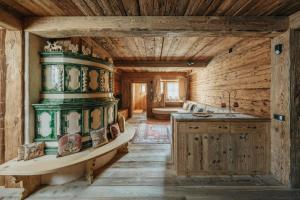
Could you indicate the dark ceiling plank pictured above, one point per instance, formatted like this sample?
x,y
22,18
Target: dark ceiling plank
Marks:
x,y
9,21
290,8
181,7
15,8
239,8
224,7
69,8
213,7
106,7
160,64
83,7
94,6
156,26
118,8
131,7
146,7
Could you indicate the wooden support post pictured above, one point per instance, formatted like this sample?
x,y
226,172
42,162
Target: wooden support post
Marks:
x,y
29,184
89,170
123,149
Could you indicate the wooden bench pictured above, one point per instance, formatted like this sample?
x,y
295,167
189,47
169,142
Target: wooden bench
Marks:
x,y
23,170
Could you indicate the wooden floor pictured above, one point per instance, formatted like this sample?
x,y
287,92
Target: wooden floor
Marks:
x,y
146,174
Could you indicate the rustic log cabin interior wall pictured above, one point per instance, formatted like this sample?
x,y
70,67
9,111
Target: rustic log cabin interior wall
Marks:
x,y
223,74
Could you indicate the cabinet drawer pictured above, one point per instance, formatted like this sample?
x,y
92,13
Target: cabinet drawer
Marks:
x,y
248,127
207,127
218,127
196,127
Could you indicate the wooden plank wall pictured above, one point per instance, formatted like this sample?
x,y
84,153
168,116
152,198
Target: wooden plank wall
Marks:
x,y
2,98
280,131
246,69
117,82
14,102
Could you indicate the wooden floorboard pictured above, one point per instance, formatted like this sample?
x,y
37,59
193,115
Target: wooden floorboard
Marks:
x,y
145,173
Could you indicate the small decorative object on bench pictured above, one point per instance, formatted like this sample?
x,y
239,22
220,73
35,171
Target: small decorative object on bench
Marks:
x,y
69,144
121,121
114,130
99,137
31,151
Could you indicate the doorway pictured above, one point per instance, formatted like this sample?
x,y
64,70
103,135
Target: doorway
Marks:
x,y
139,98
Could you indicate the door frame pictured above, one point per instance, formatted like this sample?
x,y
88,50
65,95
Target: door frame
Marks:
x,y
130,110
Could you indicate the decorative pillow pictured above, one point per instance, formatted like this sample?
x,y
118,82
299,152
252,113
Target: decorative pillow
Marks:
x,y
99,137
114,130
33,150
69,144
192,107
121,122
185,106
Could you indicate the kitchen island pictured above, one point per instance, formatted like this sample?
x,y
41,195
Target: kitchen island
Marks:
x,y
220,144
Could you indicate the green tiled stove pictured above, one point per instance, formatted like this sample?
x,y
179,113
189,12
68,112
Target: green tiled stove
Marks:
x,y
76,97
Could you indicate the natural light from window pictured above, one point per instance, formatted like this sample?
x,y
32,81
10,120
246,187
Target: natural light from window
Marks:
x,y
173,90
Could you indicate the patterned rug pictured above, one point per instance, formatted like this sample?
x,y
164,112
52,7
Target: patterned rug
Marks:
x,y
152,134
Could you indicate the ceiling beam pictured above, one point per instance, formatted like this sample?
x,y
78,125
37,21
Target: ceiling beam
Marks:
x,y
160,64
9,21
122,26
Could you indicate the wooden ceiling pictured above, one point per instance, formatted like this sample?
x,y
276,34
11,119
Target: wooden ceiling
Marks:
x,y
156,48
165,48
23,8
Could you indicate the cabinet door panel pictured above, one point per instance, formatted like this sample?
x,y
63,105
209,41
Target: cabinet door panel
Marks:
x,y
195,154
215,147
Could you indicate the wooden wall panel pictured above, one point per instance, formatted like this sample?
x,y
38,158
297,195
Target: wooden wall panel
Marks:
x,y
117,83
14,105
295,107
247,69
280,131
2,98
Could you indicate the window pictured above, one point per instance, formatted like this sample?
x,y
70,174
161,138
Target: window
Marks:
x,y
173,90
170,89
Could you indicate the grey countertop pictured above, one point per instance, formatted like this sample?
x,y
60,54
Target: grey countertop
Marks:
x,y
189,117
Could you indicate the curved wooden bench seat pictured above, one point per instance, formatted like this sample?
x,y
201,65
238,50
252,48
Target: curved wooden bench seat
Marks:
x,y
26,171
49,163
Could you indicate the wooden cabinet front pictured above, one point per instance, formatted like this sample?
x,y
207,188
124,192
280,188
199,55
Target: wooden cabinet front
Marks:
x,y
221,148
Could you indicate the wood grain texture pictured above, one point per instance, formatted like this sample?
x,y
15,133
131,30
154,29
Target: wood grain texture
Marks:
x,y
59,27
151,7
14,118
221,148
246,70
117,82
139,97
2,98
280,130
9,21
295,107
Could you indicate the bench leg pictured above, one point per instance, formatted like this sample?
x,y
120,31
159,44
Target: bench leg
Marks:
x,y
89,171
29,184
123,148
